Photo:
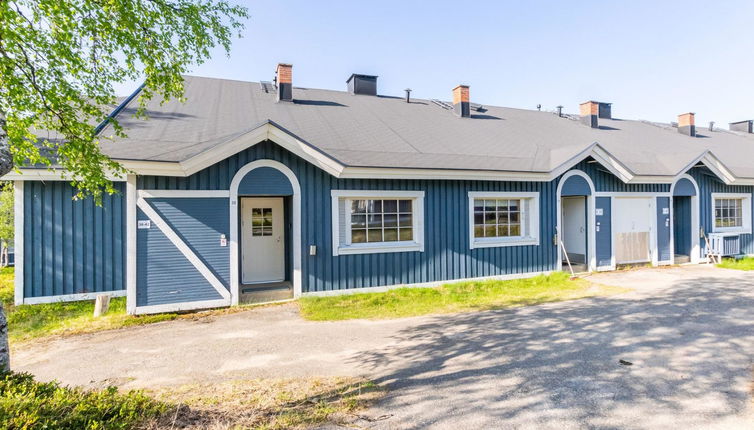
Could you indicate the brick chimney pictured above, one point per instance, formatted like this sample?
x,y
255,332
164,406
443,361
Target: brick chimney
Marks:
x,y
461,105
589,112
284,80
686,124
743,126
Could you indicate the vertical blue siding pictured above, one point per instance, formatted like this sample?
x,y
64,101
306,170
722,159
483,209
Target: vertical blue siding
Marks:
x,y
447,254
72,246
663,228
682,225
604,231
163,274
604,181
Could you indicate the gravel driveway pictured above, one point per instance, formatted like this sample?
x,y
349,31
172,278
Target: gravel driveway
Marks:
x,y
688,332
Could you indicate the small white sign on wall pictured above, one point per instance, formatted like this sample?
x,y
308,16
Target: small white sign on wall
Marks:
x,y
665,211
598,212
144,223
223,240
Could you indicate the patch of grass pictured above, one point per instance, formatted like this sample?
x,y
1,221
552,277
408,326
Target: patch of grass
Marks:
x,y
28,322
455,297
28,404
266,404
746,263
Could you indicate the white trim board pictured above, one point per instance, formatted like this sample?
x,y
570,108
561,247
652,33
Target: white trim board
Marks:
x,y
72,297
18,239
746,215
180,307
384,288
234,225
183,248
131,244
417,209
148,194
528,219
591,220
696,250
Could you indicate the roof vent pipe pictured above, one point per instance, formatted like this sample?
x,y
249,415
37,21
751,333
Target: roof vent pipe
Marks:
x,y
284,81
461,105
744,126
408,95
589,112
362,84
711,125
686,124
560,110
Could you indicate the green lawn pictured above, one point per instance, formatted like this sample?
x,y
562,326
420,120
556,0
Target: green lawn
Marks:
x,y
27,322
456,297
742,264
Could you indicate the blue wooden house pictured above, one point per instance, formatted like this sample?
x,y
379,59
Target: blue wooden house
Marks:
x,y
263,191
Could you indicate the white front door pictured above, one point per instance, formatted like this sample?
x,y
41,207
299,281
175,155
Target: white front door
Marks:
x,y
262,240
633,229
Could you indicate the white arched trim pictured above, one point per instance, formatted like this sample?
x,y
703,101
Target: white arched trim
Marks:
x,y
591,247
695,225
235,234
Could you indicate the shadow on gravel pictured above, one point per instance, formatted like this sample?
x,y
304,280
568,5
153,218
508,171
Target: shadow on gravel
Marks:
x,y
690,346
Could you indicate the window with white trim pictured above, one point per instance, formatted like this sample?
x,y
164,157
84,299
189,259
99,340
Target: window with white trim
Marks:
x,y
377,221
503,219
731,213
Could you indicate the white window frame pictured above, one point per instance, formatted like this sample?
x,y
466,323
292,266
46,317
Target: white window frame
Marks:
x,y
745,216
529,220
417,214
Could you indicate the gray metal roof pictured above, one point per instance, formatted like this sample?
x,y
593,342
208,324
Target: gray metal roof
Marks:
x,y
382,131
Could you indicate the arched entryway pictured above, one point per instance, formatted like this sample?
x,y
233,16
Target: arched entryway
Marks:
x,y
265,233
576,222
685,225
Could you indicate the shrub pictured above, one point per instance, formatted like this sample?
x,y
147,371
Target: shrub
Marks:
x,y
27,404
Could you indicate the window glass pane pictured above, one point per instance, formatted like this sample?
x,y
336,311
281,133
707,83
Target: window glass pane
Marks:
x,y
358,221
374,206
391,234
514,205
502,218
490,230
267,212
390,220
390,206
267,231
256,211
404,205
502,205
406,234
359,206
478,205
515,230
374,235
358,236
257,222
406,220
489,205
502,230
256,231
515,217
374,221
478,217
489,218
478,231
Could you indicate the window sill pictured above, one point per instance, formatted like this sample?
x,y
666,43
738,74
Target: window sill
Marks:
x,y
379,248
731,231
523,241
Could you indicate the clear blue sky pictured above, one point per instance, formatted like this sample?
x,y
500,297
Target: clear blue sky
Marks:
x,y
651,59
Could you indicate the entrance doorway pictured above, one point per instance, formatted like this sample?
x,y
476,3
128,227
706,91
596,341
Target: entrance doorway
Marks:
x,y
682,229
633,230
263,249
574,225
